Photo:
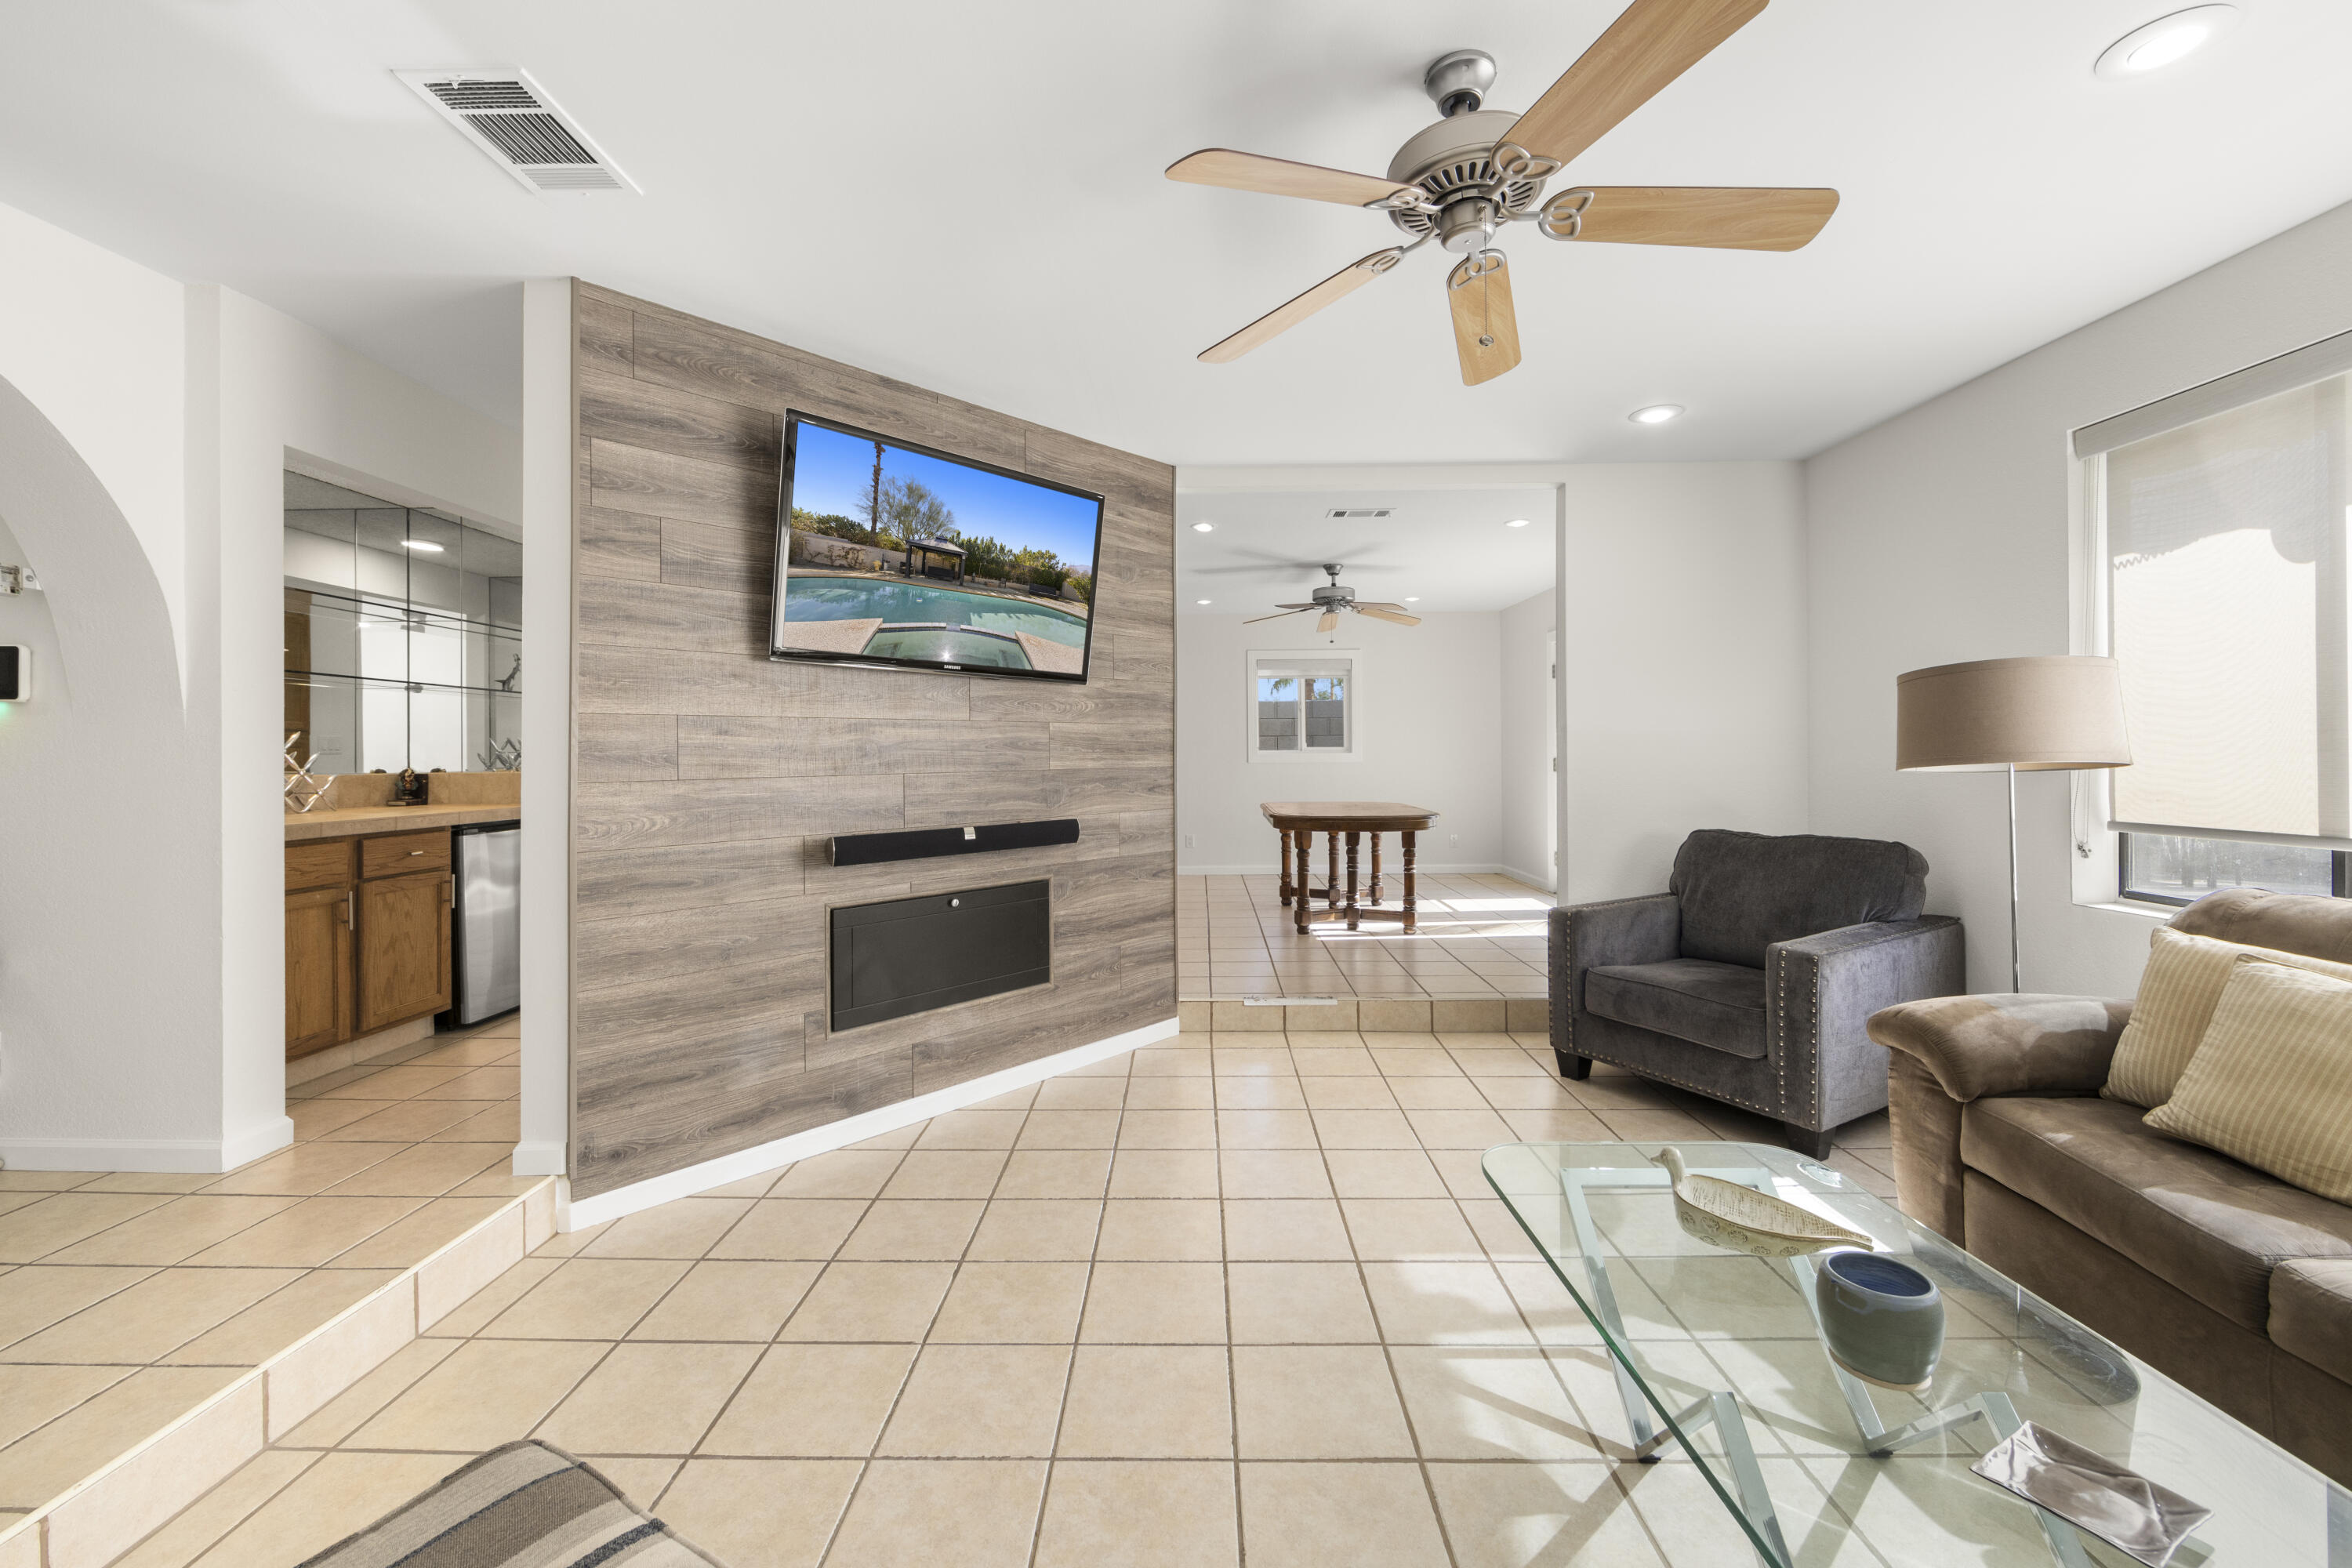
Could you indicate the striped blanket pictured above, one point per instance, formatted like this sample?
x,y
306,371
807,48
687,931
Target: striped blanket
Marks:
x,y
526,1505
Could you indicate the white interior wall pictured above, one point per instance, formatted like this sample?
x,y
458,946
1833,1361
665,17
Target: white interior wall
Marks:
x,y
143,430
110,971
548,456
1428,711
1682,664
1524,782
1943,534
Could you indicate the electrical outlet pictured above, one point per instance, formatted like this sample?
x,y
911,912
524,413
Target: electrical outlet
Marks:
x,y
1188,841
1453,841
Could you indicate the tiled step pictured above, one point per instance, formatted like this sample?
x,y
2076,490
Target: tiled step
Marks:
x,y
1484,1015
100,1516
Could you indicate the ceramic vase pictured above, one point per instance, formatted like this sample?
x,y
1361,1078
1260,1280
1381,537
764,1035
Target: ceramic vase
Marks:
x,y
1881,1319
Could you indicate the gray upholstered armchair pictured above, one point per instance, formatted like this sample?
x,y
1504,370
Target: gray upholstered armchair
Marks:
x,y
1751,979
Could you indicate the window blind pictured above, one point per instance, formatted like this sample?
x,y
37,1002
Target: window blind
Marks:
x,y
2227,571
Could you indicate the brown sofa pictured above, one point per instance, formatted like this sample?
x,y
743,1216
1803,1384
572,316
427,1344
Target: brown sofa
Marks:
x,y
2228,1280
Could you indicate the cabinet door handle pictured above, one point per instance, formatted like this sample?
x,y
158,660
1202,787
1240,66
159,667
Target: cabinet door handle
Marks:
x,y
347,911
414,853
453,892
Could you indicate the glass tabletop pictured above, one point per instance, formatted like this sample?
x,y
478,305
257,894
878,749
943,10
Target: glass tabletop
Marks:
x,y
1719,1355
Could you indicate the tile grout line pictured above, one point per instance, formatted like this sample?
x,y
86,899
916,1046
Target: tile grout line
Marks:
x,y
1388,1354
1085,1298
775,1338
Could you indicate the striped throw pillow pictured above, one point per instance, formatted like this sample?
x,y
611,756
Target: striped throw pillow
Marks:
x,y
2271,1084
2177,990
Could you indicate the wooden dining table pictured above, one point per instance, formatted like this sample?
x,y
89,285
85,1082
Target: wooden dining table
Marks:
x,y
1298,821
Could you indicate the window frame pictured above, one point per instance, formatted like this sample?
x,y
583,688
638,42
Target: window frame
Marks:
x,y
1303,663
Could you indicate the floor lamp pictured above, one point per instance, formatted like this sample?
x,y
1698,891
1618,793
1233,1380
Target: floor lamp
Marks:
x,y
2040,714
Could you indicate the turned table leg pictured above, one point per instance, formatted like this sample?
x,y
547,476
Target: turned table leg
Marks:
x,y
1376,869
1352,879
1305,855
1284,837
1408,904
1331,878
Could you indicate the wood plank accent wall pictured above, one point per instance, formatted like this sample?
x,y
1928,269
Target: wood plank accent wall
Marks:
x,y
707,778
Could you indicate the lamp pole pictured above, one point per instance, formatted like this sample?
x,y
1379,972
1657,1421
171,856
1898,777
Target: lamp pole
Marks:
x,y
2016,973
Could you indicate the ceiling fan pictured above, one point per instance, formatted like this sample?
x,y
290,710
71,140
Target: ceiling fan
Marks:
x,y
1477,169
1331,598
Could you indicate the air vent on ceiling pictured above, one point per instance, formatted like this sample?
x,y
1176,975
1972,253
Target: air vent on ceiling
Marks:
x,y
519,128
1358,511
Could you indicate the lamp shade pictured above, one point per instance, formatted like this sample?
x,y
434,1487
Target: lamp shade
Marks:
x,y
2046,712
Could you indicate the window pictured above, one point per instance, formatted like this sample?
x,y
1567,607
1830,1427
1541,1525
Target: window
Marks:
x,y
1302,707
2226,562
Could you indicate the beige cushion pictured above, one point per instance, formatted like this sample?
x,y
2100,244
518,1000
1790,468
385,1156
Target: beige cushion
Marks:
x,y
2177,990
2271,1084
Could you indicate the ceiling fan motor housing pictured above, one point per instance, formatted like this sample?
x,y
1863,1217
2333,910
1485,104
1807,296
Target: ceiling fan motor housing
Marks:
x,y
1453,162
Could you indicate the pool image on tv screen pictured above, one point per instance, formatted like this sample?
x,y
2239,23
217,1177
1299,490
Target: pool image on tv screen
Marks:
x,y
889,554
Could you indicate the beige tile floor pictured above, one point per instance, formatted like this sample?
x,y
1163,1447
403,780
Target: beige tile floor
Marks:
x,y
1238,1294
126,1298
1479,936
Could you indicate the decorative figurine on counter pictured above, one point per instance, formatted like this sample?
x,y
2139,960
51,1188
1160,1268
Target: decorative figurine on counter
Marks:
x,y
409,788
304,789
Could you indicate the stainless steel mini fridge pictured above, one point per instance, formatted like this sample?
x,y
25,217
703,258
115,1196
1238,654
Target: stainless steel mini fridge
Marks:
x,y
488,926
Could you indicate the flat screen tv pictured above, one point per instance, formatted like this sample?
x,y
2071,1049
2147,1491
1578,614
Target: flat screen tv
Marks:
x,y
892,554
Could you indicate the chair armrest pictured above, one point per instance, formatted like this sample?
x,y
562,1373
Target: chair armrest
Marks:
x,y
1647,930
1822,990
1980,1046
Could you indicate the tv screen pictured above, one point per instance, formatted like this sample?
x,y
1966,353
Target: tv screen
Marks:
x,y
893,555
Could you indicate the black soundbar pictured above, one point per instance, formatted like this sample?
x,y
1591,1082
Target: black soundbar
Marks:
x,y
924,843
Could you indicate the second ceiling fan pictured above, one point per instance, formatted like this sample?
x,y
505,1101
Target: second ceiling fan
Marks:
x,y
1461,180
1331,598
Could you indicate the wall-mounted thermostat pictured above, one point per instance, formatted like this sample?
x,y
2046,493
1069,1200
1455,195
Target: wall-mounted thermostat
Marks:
x,y
15,672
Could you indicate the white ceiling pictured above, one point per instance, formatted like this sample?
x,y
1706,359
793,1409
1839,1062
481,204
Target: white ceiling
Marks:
x,y
970,196
1451,549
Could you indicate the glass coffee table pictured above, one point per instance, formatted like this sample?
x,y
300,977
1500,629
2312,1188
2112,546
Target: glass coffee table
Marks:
x,y
1718,1354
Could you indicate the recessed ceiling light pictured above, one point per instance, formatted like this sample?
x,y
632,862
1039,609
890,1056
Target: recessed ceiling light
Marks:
x,y
1656,414
1516,522
1413,598
426,545
1200,601
1204,528
2166,40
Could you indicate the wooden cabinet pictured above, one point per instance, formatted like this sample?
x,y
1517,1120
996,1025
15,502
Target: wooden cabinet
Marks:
x,y
367,935
318,970
403,948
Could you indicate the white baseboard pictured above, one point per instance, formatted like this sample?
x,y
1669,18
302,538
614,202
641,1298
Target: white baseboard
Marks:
x,y
541,1159
1541,884
1389,868
191,1155
580,1214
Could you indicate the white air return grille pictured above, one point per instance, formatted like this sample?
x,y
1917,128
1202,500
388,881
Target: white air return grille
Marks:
x,y
1358,511
519,128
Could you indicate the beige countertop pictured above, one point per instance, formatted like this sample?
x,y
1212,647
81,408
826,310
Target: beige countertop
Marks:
x,y
301,826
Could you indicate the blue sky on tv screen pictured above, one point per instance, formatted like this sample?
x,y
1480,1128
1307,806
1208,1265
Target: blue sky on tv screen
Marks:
x,y
833,473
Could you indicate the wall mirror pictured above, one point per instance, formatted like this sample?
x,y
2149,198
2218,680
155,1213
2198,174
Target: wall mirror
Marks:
x,y
403,636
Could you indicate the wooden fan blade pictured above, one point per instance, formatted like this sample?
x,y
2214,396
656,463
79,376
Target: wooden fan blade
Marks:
x,y
1284,317
1382,605
1255,619
1401,620
1281,177
1646,47
1727,218
1330,618
1486,328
